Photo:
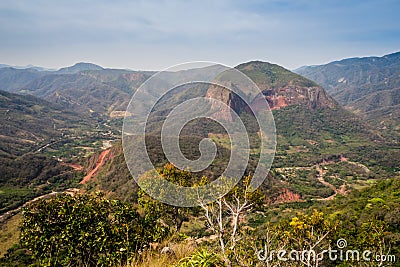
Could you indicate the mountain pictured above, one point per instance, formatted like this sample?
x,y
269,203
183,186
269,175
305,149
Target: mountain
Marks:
x,y
78,91
323,151
83,87
311,126
12,80
32,67
81,66
282,87
309,120
368,86
29,122
313,130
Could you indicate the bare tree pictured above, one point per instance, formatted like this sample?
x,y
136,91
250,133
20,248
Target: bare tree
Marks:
x,y
227,214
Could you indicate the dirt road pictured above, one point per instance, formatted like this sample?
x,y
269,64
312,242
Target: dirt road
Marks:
x,y
99,164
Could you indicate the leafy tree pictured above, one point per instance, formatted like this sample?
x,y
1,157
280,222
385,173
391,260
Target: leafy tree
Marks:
x,y
171,215
86,230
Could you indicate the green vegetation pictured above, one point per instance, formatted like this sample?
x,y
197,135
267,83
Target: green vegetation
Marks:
x,y
324,152
9,233
37,138
368,86
86,230
91,230
201,258
272,75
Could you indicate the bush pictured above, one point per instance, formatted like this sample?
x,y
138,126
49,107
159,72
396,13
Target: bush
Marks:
x,y
201,258
86,230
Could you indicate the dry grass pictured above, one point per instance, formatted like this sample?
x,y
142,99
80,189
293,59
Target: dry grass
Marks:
x,y
155,259
9,233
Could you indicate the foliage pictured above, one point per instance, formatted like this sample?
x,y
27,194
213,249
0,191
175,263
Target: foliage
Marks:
x,y
367,219
202,258
16,257
308,232
86,230
171,215
370,217
272,75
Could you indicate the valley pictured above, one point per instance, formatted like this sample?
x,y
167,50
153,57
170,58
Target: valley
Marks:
x,y
61,133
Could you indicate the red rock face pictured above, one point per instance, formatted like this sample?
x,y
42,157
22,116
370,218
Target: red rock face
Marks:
x,y
312,97
231,100
277,103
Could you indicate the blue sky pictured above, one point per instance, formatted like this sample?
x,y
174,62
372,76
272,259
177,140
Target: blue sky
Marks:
x,y
156,34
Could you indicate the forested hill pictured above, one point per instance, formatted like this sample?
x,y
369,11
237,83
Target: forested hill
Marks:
x,y
368,86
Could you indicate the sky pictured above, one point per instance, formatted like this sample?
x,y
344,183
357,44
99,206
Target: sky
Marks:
x,y
153,35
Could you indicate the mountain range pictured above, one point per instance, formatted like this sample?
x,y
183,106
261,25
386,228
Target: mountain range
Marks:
x,y
369,86
312,127
336,128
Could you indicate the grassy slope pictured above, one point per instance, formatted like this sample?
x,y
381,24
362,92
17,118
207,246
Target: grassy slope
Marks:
x,y
9,234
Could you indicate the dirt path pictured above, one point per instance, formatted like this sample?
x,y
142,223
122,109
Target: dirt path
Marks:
x,y
99,164
320,177
5,216
342,188
321,173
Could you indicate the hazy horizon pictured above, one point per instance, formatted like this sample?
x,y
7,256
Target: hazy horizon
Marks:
x,y
30,65
153,35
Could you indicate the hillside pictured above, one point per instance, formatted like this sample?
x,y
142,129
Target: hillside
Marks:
x,y
12,80
37,137
311,129
84,87
368,86
311,126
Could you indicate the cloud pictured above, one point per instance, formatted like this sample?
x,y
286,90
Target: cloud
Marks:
x,y
160,32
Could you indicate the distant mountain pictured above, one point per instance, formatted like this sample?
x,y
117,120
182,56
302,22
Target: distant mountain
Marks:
x,y
84,87
26,67
102,91
368,86
29,122
81,66
12,80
